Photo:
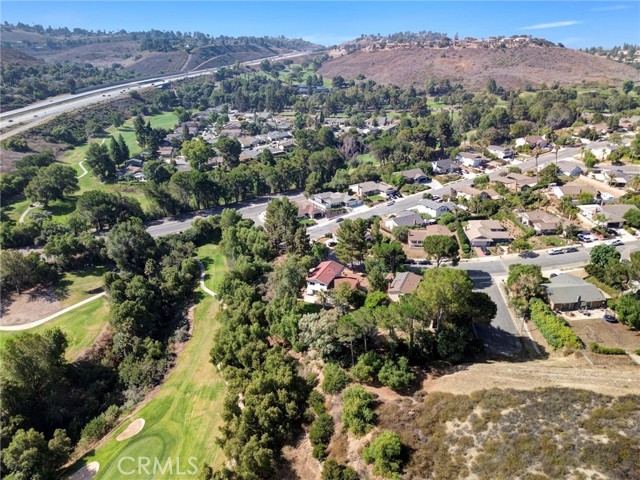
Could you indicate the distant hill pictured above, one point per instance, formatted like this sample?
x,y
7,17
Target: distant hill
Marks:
x,y
14,57
69,60
142,53
473,63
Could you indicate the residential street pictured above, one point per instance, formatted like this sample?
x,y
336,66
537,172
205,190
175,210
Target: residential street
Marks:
x,y
487,272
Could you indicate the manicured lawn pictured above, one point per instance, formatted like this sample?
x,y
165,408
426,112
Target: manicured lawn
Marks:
x,y
214,264
182,419
81,326
74,287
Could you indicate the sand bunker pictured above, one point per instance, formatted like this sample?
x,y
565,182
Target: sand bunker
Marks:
x,y
133,429
87,472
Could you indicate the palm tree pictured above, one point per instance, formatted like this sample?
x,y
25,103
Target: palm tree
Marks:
x,y
536,153
556,148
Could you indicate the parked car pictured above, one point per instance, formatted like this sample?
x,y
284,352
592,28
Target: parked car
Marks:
x,y
553,275
556,251
615,242
570,249
585,238
436,198
485,250
392,202
339,219
611,231
610,318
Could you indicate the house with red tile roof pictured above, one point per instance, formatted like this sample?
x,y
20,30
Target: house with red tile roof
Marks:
x,y
322,277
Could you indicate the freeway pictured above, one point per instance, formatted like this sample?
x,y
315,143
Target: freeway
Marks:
x,y
27,117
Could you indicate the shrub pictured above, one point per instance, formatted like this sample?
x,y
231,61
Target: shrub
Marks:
x,y
367,367
637,352
316,402
463,240
333,470
320,435
100,425
357,411
602,350
335,379
554,329
385,453
396,375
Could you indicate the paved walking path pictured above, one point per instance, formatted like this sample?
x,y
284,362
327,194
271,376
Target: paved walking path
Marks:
x,y
204,288
27,326
25,213
84,170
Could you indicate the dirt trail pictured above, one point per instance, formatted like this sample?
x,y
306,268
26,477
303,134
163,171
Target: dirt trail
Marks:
x,y
570,372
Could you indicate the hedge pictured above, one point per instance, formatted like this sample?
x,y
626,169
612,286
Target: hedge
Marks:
x,y
554,329
462,238
602,350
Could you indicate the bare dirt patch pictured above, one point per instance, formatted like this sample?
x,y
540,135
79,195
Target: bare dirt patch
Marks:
x,y
608,334
573,371
132,430
29,306
87,472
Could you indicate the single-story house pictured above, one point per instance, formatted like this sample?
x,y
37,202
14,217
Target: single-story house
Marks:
x,y
614,214
321,278
469,192
406,218
516,181
542,222
367,189
249,154
444,166
434,209
503,153
165,152
601,150
309,210
133,162
617,177
248,142
567,292
568,169
414,175
532,141
415,237
471,159
486,233
329,200
573,189
403,283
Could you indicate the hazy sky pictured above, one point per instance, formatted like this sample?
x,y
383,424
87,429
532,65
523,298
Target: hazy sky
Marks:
x,y
575,24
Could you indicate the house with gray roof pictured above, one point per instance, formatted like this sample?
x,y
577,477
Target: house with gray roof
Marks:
x,y
414,175
330,200
406,218
567,292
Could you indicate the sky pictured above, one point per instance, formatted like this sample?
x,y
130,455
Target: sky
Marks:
x,y
576,24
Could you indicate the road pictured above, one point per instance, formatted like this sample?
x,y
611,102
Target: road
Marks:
x,y
22,119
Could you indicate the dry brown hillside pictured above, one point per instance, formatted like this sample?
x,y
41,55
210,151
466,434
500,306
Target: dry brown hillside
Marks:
x,y
510,67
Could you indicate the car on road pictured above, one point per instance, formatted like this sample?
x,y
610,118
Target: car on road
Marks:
x,y
392,202
553,275
339,219
615,242
556,251
610,318
570,249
